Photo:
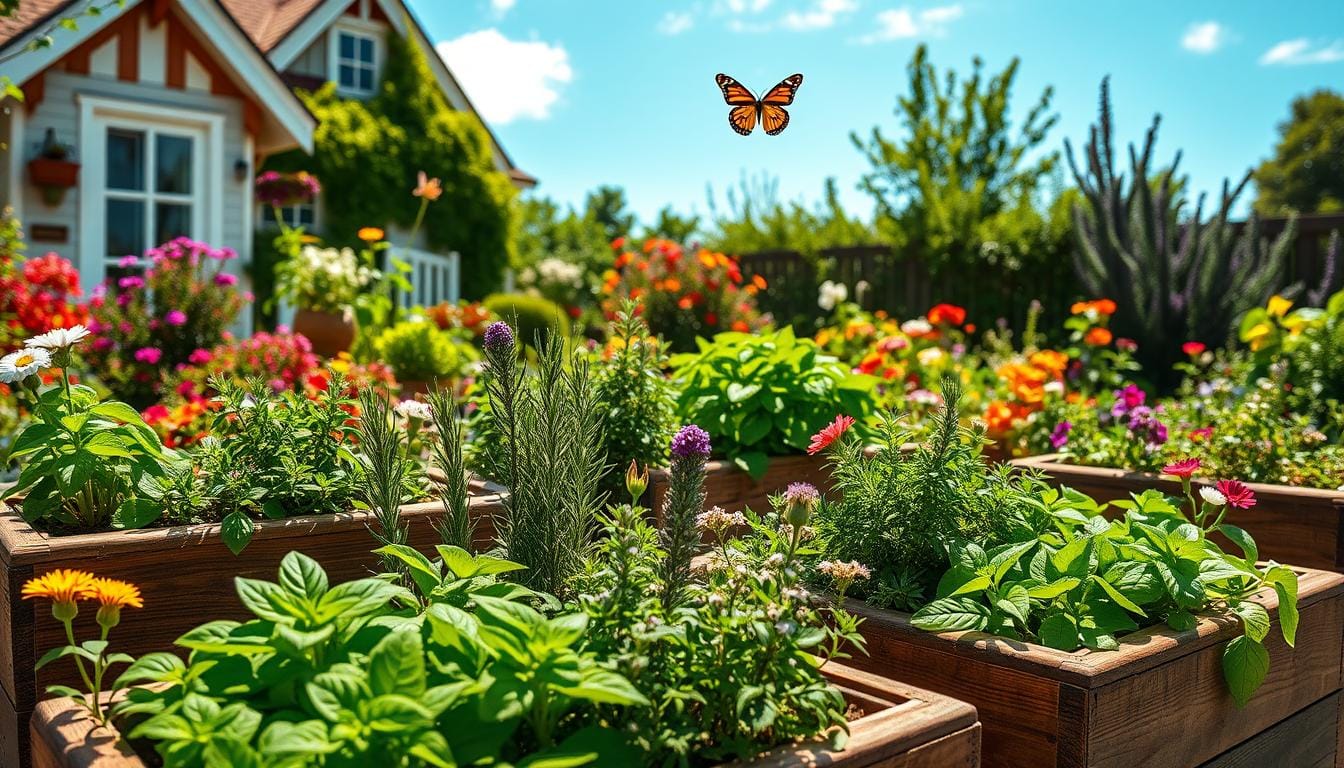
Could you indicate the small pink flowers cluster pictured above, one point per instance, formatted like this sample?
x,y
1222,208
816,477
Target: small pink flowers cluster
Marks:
x,y
1233,493
718,522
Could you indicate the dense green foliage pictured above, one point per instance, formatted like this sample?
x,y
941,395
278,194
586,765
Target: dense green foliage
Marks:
x,y
1175,277
766,394
367,154
533,316
418,351
1306,173
1068,578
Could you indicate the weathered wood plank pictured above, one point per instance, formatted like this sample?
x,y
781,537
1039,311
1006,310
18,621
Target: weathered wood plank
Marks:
x,y
1307,739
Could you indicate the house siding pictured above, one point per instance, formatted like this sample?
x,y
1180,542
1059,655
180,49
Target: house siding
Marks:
x,y
313,61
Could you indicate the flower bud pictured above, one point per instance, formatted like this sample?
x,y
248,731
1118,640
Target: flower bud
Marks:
x,y
800,500
636,482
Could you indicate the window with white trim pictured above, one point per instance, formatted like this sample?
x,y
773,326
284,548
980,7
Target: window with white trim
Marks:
x,y
151,188
356,62
300,215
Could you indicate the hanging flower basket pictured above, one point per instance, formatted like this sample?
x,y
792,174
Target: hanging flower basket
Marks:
x,y
53,177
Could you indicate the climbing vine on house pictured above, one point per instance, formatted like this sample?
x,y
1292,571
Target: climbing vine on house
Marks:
x,y
367,154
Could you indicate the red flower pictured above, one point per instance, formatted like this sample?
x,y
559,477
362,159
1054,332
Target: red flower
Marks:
x,y
1193,348
947,314
829,434
1237,494
1183,469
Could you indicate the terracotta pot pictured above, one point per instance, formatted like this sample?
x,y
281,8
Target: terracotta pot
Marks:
x,y
53,177
331,333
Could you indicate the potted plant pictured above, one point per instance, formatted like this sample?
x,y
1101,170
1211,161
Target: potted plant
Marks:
x,y
1081,639
52,171
420,354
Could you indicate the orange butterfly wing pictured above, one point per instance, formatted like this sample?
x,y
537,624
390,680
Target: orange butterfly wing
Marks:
x,y
782,95
734,92
743,119
774,119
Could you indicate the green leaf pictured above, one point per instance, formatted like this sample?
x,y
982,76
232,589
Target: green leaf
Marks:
x,y
301,576
33,437
397,665
136,513
755,427
1250,552
603,686
107,445
1254,618
959,580
1245,664
236,531
268,601
738,392
1288,616
304,738
1053,589
952,614
1059,631
1120,599
754,463
393,713
1136,580
1015,603
1182,621
1004,560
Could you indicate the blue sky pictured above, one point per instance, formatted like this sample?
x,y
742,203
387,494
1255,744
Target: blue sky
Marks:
x,y
589,92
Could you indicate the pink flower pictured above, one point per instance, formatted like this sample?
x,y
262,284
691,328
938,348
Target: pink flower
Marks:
x,y
175,317
149,355
200,357
186,388
1183,469
1237,494
102,343
224,278
829,434
126,262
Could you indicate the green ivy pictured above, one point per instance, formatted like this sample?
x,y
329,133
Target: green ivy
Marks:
x,y
367,154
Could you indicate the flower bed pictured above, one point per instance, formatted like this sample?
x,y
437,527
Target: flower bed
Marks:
x,y
734,490
1302,526
180,570
1159,700
901,727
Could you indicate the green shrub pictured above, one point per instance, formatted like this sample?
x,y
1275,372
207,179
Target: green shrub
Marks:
x,y
763,395
419,351
530,315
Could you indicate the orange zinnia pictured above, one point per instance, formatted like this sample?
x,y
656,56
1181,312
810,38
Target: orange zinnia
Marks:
x,y
114,593
60,586
370,234
1098,337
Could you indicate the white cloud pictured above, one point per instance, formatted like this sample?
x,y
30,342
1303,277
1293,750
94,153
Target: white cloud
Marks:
x,y
1301,51
508,79
502,7
1204,37
898,23
674,23
743,6
822,15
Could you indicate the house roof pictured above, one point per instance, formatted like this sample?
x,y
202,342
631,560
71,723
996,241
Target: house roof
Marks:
x,y
31,14
267,22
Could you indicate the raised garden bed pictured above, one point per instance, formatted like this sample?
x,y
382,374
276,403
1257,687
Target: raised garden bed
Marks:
x,y
1301,526
1160,701
902,727
186,574
729,487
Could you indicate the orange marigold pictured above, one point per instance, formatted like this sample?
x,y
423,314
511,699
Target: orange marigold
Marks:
x,y
114,593
370,234
1098,337
60,586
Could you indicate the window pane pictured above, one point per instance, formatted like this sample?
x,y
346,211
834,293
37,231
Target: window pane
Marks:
x,y
347,46
172,155
366,50
171,220
305,215
365,80
125,228
347,76
125,159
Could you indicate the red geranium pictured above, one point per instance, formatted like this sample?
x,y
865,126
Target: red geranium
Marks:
x,y
946,314
1236,493
829,434
1193,348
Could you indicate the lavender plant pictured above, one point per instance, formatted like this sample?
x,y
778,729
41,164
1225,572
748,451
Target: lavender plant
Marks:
x,y
684,500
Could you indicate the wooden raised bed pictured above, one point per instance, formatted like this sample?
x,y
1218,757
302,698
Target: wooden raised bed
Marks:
x,y
902,727
1160,701
1301,526
729,487
185,574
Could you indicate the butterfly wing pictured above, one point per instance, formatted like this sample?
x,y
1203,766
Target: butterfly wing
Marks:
x,y
782,95
743,118
774,119
734,92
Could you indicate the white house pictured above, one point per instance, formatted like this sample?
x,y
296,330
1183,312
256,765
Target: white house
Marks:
x,y
169,106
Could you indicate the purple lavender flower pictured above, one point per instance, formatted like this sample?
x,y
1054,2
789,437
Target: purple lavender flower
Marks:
x,y
690,442
1059,437
1127,399
499,338
800,499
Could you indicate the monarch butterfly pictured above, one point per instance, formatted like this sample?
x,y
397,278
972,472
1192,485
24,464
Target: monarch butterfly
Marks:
x,y
769,109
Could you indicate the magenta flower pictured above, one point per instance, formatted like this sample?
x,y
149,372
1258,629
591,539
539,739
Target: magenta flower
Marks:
x,y
1059,437
175,317
200,357
149,355
224,278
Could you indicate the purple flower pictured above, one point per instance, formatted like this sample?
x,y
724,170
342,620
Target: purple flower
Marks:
x,y
800,499
499,338
148,355
1143,423
224,278
1059,437
690,442
175,317
1127,399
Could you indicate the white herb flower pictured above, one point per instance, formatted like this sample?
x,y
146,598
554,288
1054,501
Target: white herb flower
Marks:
x,y
715,600
917,327
831,294
58,338
718,521
842,571
1213,496
786,627
17,366
414,409
775,560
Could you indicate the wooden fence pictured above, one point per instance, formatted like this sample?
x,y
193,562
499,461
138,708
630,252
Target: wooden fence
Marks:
x,y
903,285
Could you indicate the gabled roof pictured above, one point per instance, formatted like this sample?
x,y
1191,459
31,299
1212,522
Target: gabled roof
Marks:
x,y
267,22
31,13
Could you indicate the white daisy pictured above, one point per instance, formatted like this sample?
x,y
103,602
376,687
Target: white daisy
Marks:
x,y
414,409
1213,496
58,338
17,366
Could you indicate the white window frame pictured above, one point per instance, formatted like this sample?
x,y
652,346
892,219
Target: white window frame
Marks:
x,y
359,29
97,115
289,214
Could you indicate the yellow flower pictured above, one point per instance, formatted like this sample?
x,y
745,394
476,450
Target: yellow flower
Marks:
x,y
1295,324
1279,306
60,586
1258,336
114,593
370,234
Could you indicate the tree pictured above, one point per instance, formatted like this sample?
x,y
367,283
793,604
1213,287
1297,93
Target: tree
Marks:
x,y
958,163
671,226
1306,173
606,205
544,231
756,220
